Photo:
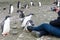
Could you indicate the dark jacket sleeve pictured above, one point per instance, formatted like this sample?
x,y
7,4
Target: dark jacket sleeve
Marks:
x,y
55,23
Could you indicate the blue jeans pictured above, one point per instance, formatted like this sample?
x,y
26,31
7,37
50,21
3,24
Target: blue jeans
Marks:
x,y
48,28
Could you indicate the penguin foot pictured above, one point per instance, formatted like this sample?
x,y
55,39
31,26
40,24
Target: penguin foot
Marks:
x,y
5,34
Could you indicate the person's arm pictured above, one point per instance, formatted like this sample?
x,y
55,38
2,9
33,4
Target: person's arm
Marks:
x,y
55,23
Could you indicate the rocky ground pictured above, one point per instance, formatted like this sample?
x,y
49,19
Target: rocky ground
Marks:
x,y
43,14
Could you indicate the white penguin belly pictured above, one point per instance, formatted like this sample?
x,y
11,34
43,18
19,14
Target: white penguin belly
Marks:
x,y
25,20
6,27
11,9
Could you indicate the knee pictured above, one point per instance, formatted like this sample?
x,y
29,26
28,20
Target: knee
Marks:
x,y
44,24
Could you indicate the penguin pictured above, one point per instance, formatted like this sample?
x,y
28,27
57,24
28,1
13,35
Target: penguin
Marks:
x,y
32,4
55,2
21,15
39,4
26,19
29,22
11,9
18,5
58,4
27,6
6,26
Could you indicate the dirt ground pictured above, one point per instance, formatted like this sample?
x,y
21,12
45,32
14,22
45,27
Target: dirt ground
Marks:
x,y
43,14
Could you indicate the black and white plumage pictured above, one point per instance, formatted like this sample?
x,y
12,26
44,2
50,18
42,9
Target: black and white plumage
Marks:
x,y
32,3
56,2
27,22
11,9
6,25
39,4
21,15
27,6
26,19
19,4
30,23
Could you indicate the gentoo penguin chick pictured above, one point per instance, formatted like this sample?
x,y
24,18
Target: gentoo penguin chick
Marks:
x,y
26,19
11,9
6,26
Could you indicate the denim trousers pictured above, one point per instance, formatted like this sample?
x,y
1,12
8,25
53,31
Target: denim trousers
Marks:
x,y
48,29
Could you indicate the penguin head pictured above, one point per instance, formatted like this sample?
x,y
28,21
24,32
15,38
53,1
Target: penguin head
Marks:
x,y
30,23
19,11
11,4
18,1
30,14
7,17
